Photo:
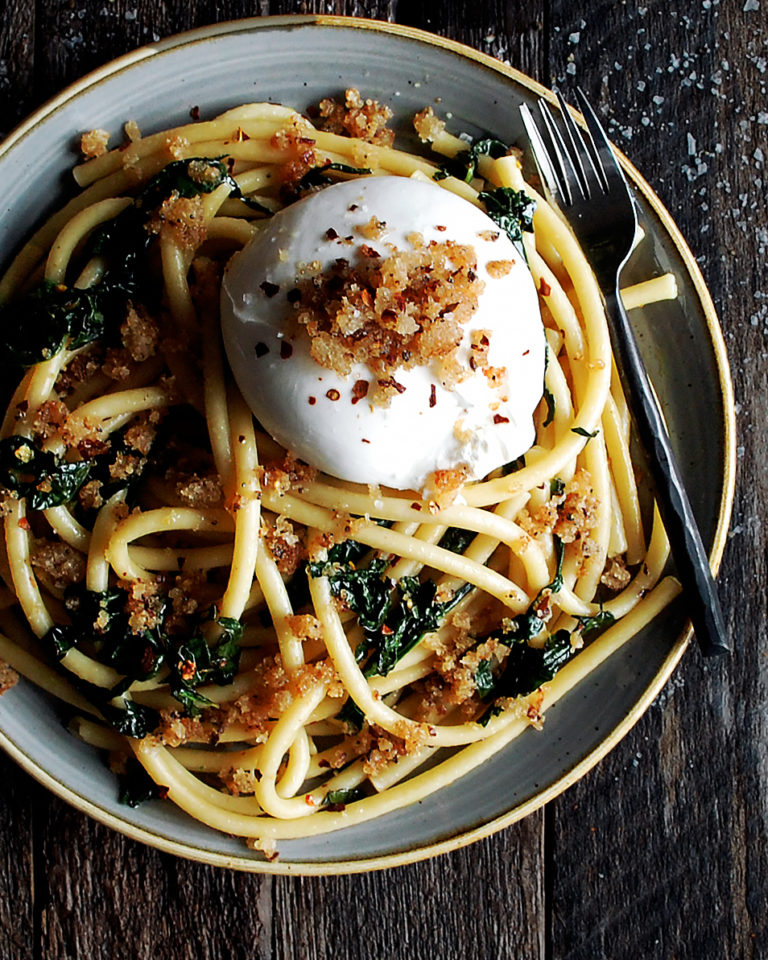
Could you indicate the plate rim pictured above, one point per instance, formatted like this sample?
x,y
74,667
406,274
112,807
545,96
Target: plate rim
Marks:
x,y
580,769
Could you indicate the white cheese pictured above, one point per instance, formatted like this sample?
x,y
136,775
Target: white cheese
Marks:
x,y
472,424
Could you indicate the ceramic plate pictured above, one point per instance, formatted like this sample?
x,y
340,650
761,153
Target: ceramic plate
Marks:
x,y
297,61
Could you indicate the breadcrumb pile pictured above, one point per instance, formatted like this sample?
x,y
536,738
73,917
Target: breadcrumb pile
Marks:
x,y
392,312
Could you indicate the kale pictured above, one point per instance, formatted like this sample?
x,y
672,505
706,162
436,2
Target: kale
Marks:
x,y
40,324
602,618
484,680
196,662
527,668
351,715
338,799
584,433
40,476
414,613
549,398
517,464
132,720
101,621
512,210
394,615
188,178
463,165
316,177
456,539
556,487
51,316
135,786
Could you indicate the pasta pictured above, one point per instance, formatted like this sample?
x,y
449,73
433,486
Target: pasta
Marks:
x,y
278,652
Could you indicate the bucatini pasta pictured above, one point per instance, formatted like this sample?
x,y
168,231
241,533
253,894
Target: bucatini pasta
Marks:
x,y
279,652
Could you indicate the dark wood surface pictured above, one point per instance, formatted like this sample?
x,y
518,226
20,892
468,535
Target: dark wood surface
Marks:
x,y
661,851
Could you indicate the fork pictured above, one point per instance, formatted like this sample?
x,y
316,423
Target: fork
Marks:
x,y
584,178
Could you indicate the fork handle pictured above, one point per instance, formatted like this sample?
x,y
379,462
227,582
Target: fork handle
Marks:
x,y
675,508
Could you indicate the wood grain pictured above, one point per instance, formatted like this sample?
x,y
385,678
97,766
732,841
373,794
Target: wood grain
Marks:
x,y
661,851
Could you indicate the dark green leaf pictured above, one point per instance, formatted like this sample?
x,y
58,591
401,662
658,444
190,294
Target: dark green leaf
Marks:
x,y
549,399
196,662
351,715
557,583
512,210
132,720
192,701
394,616
340,798
463,165
317,176
484,679
456,539
60,640
40,476
135,786
601,619
527,668
556,487
584,433
36,327
489,714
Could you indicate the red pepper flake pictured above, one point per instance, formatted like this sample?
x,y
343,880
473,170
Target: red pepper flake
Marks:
x,y
544,288
148,660
261,349
310,800
441,228
415,505
352,207
497,418
332,394
162,792
187,669
323,763
387,631
391,382
369,252
312,401
365,441
526,352
359,390
195,113
24,524
286,350
432,396
331,234
270,289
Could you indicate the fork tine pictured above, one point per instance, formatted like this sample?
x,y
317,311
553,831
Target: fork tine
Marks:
x,y
608,165
578,152
560,155
546,168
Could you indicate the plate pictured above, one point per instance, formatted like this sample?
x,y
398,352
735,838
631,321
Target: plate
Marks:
x,y
297,61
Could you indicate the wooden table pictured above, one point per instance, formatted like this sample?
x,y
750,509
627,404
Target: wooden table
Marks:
x,y
661,850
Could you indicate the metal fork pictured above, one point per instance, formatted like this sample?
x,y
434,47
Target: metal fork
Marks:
x,y
585,179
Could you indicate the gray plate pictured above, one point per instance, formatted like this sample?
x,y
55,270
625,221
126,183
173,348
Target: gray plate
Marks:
x,y
297,61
